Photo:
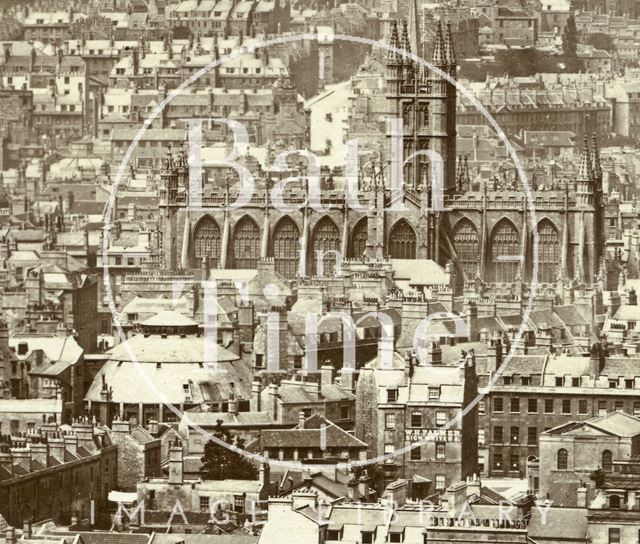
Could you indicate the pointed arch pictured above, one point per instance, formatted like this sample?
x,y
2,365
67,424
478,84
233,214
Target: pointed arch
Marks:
x,y
206,240
359,238
402,241
326,240
246,244
286,247
467,246
505,247
548,251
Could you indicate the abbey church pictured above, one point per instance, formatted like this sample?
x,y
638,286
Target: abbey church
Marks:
x,y
486,230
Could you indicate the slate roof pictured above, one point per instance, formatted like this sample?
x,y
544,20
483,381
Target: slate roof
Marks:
x,y
334,436
559,525
570,315
152,383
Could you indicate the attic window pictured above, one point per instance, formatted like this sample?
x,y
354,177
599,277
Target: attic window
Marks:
x,y
368,536
23,348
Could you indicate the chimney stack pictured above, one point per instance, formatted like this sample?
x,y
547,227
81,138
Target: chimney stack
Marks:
x,y
273,400
120,426
39,452
71,443
256,389
582,497
176,463
84,433
326,374
56,448
347,379
152,427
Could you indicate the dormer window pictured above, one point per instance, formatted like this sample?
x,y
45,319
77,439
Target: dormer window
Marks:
x,y
334,532
186,388
368,535
614,502
392,395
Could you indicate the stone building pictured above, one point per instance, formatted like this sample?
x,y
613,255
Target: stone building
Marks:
x,y
571,454
315,440
411,416
313,521
205,497
139,453
614,512
51,473
180,369
486,232
535,393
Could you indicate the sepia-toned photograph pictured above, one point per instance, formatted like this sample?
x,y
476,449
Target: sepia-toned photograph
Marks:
x,y
319,272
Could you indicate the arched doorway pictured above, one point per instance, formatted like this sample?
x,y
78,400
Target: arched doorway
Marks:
x,y
246,244
286,247
206,243
402,241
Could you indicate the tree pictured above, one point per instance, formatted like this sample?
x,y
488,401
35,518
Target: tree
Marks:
x,y
570,44
222,463
600,40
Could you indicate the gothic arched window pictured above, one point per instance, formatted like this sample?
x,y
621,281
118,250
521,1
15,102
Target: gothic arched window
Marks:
x,y
465,241
402,241
505,249
407,118
548,252
424,114
326,240
563,459
286,247
246,244
359,239
206,242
